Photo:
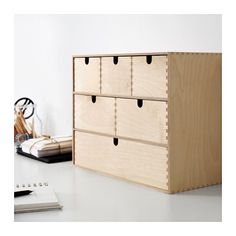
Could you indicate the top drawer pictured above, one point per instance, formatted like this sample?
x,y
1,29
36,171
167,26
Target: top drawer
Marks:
x,y
87,75
149,76
138,76
116,76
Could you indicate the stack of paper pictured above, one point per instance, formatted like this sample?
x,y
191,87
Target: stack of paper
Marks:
x,y
42,198
41,147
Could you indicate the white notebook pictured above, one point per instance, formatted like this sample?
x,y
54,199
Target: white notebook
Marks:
x,y
42,198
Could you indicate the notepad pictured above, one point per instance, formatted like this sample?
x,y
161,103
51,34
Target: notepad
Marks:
x,y
42,198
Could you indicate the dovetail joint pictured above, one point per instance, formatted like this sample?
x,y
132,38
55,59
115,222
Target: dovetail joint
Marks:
x,y
100,70
131,76
115,104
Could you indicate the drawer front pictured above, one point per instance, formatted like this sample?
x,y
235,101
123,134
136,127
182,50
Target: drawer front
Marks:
x,y
150,80
94,114
138,162
87,75
116,78
142,119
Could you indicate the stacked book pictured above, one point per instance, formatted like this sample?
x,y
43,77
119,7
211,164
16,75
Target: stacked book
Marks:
x,y
42,147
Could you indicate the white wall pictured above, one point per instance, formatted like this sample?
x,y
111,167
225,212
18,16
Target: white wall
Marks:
x,y
44,45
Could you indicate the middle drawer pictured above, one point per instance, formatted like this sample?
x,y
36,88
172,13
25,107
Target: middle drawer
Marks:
x,y
128,118
94,113
142,119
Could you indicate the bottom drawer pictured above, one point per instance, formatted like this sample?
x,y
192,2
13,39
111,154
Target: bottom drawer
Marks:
x,y
138,162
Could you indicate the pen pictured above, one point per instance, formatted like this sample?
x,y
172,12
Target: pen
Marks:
x,y
22,193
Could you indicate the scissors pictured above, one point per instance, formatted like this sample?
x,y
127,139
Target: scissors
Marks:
x,y
23,104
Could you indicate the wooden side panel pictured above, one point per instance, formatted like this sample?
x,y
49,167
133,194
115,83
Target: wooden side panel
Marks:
x,y
116,78
73,120
148,122
149,80
87,76
194,113
142,163
98,116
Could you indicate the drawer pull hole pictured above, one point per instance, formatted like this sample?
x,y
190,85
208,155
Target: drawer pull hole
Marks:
x,y
93,99
149,59
140,103
115,60
86,60
115,141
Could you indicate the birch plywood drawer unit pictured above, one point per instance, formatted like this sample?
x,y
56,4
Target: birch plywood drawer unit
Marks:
x,y
153,119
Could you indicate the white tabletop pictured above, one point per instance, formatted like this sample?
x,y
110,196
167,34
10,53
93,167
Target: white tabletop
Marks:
x,y
90,196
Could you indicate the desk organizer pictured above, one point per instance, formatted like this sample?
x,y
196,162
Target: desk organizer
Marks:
x,y
154,119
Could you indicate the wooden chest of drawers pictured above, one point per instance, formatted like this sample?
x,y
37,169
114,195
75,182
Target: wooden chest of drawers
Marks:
x,y
153,119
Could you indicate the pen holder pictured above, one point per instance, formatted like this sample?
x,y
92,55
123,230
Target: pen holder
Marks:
x,y
27,123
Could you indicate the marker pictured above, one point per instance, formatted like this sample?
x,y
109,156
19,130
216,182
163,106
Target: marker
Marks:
x,y
22,193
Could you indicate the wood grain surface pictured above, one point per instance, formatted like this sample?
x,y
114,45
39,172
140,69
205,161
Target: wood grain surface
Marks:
x,y
173,141
98,116
149,80
87,76
194,120
148,122
142,163
116,78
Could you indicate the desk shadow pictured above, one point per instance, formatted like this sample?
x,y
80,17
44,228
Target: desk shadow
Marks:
x,y
209,191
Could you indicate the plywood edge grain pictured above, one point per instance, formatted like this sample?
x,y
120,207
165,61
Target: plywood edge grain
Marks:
x,y
73,111
180,190
137,54
121,54
121,96
195,53
122,137
168,128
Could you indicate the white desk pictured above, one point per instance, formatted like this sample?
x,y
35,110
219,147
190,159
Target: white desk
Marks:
x,y
90,196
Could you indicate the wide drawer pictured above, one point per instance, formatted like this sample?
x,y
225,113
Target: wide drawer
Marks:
x,y
116,76
142,119
149,76
142,163
94,113
87,75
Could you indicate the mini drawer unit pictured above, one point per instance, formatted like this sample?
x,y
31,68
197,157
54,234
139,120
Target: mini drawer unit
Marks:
x,y
154,118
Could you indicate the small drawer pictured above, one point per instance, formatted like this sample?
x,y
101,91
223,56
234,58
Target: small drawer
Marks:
x,y
87,75
138,162
116,76
150,76
94,113
142,119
